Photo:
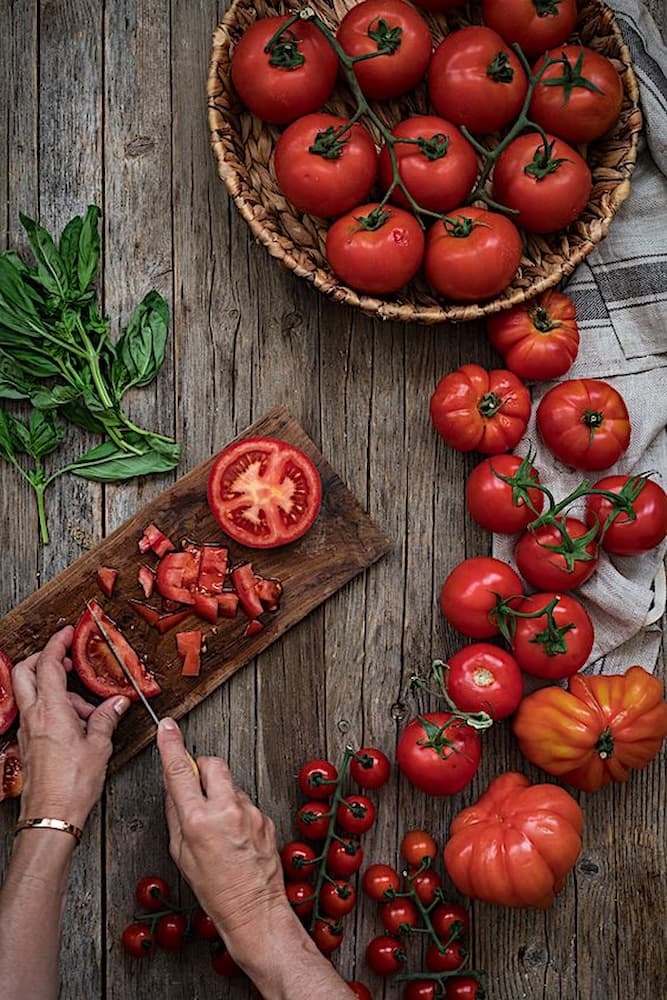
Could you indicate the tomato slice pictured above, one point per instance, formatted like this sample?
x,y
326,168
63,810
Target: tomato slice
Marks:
x,y
106,579
253,627
213,568
206,606
243,579
189,649
145,611
146,580
176,576
95,663
269,592
228,602
264,492
167,622
11,771
8,709
155,540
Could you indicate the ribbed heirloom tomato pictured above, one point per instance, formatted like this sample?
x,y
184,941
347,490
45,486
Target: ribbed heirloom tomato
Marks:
x,y
537,339
498,505
536,25
585,423
627,536
375,249
471,591
557,556
439,753
484,678
552,645
478,410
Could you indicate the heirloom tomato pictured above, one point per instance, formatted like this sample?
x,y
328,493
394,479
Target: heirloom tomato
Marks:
x,y
473,409
516,844
597,731
439,753
585,423
501,506
557,556
439,5
472,254
538,340
484,678
555,644
96,665
374,249
626,535
535,25
579,97
8,709
471,591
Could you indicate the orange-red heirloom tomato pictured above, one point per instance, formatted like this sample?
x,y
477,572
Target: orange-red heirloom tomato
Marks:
x,y
516,844
596,731
538,339
585,423
476,409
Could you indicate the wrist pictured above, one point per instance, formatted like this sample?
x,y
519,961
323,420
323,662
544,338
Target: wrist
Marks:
x,y
36,806
286,945
42,856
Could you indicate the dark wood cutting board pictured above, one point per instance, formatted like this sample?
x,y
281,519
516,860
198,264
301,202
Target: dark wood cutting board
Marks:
x,y
342,542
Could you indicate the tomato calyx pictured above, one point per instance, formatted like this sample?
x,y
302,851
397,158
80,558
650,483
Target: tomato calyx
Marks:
x,y
605,744
544,162
374,220
593,419
547,8
571,77
552,638
490,403
542,321
476,720
434,148
329,143
500,69
387,38
524,479
573,550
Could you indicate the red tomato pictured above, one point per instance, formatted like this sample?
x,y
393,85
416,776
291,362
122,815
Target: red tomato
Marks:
x,y
585,102
344,857
427,885
296,77
378,880
355,815
439,5
170,931
420,989
470,593
499,506
264,492
394,28
138,940
323,171
548,183
337,898
449,960
375,250
626,536
552,650
439,173
370,768
536,25
475,409
472,255
385,955
417,847
398,915
438,753
545,567
450,919
222,962
8,709
359,990
317,778
312,820
96,665
539,340
476,80
464,988
204,926
484,678
106,579
327,936
585,423
152,893
296,857
11,771
301,899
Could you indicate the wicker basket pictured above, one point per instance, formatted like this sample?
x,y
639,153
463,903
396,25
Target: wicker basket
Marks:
x,y
243,147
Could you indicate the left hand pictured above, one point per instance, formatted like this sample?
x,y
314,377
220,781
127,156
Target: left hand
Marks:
x,y
65,741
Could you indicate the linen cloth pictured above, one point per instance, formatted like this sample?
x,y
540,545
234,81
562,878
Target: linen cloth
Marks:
x,y
620,292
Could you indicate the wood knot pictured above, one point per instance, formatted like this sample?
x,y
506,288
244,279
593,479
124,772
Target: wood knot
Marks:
x,y
139,146
588,867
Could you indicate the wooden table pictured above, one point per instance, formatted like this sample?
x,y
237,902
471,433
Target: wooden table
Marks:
x,y
105,103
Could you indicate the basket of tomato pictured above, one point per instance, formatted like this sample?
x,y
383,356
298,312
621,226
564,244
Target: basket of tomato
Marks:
x,y
425,163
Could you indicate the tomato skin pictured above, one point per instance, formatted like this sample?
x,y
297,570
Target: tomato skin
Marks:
x,y
444,772
337,900
326,936
484,678
170,931
379,879
584,115
475,409
398,914
490,501
319,184
419,989
355,815
470,593
547,570
280,95
300,896
550,199
96,665
8,707
354,252
464,988
384,955
438,183
316,828
223,963
625,537
449,960
477,266
360,991
151,893
426,884
370,768
11,771
317,779
538,340
450,918
462,88
519,21
417,846
532,655
293,853
388,75
344,859
584,423
439,5
137,940
204,926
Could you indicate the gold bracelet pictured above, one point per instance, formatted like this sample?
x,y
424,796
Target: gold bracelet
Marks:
x,y
42,823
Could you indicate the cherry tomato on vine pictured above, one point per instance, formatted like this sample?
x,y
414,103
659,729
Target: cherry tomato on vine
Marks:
x,y
464,988
385,955
439,753
539,340
344,857
397,915
449,960
426,884
204,926
475,409
450,918
170,931
585,102
536,25
370,768
374,249
137,940
312,820
295,857
379,879
626,537
546,569
355,814
557,651
484,678
359,990
420,989
337,898
470,593
300,896
317,779
584,422
327,936
500,506
151,893
418,846
222,962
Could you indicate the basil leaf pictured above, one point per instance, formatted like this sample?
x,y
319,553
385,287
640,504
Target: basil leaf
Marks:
x,y
107,462
80,416
14,383
20,434
6,440
140,350
37,363
54,396
69,249
50,269
89,248
45,434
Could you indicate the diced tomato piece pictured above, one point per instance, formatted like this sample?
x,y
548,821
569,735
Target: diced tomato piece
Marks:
x,y
269,592
177,575
213,568
206,607
243,579
155,540
146,578
228,603
253,627
170,606
11,771
189,649
145,611
167,622
106,579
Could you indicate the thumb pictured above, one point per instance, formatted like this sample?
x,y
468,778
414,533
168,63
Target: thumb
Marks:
x,y
180,778
106,717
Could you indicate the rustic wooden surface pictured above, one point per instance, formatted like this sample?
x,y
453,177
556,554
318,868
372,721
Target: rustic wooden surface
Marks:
x,y
105,102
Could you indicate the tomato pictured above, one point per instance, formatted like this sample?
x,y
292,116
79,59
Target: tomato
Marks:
x,y
449,920
464,988
317,778
439,172
385,955
438,753
417,847
204,926
398,915
301,898
355,815
374,249
546,181
312,820
396,29
243,579
296,857
626,536
598,730
189,645
516,844
8,709
584,422
152,893
585,102
155,540
138,940
475,409
322,170
557,558
536,25
337,898
95,663
538,340
327,936
420,989
296,77
11,771
222,962
500,506
378,880
359,990
472,255
106,579
427,885
556,649
170,931
439,5
484,678
448,960
370,768
470,593
344,857
476,80
264,492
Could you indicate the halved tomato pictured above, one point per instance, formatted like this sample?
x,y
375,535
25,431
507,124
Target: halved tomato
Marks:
x,y
264,492
8,709
96,665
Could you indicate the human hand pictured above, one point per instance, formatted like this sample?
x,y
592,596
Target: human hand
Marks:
x,y
65,741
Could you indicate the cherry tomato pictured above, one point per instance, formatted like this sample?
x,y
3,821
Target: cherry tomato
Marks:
x,y
545,180
295,857
397,915
472,255
323,171
439,173
317,778
448,919
545,568
449,960
312,820
344,857
204,926
586,101
585,423
296,77
137,940
476,80
626,536
370,768
222,962
470,593
96,665
395,28
385,955
535,25
557,651
170,931
500,506
438,753
464,988
151,893
374,249
327,936
484,678
359,990
356,814
378,880
8,709
420,989
475,409
337,898
426,884
301,899
539,340
418,846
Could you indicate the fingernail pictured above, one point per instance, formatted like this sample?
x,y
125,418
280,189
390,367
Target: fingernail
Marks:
x,y
167,723
120,705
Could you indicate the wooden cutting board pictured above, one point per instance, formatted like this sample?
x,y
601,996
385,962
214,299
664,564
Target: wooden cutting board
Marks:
x,y
342,542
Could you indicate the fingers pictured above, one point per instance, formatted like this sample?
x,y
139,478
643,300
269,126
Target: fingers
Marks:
x,y
104,719
216,778
180,780
173,824
49,670
82,707
24,682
